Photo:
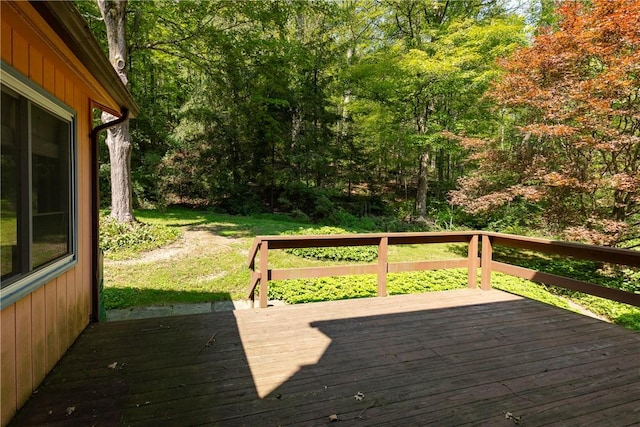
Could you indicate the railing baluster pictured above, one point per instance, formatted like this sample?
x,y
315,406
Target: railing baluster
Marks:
x,y
264,274
472,254
382,266
485,263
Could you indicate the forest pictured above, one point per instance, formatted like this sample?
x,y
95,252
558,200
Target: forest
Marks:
x,y
517,116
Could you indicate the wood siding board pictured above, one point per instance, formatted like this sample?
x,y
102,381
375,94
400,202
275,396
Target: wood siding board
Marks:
x,y
8,401
51,323
62,315
35,65
20,53
82,250
68,95
6,46
48,75
38,336
24,355
82,105
70,323
59,88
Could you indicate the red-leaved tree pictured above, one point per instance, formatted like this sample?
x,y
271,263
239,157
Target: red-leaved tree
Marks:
x,y
572,150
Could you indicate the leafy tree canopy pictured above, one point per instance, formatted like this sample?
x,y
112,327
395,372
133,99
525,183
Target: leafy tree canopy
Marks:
x,y
572,110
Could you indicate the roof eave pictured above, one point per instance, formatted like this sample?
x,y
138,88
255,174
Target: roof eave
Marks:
x,y
72,28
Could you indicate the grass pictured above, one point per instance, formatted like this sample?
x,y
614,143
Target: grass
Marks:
x,y
218,274
220,271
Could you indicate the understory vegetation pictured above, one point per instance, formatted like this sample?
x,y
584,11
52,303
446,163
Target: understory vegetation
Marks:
x,y
121,240
216,268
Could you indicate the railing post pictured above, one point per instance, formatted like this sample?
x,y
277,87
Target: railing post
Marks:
x,y
264,274
485,263
382,266
472,254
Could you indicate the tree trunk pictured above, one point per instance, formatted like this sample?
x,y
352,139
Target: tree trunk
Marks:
x,y
423,186
118,138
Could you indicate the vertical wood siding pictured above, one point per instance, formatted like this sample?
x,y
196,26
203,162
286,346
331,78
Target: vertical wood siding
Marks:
x,y
39,328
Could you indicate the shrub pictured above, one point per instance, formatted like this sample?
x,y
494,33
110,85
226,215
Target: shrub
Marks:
x,y
135,237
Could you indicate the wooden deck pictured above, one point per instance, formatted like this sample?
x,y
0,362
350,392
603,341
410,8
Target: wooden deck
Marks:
x,y
449,358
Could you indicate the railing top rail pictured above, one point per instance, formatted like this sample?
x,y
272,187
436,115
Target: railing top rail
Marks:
x,y
355,236
330,240
253,251
576,250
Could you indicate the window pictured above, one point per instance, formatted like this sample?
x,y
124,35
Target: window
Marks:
x,y
37,192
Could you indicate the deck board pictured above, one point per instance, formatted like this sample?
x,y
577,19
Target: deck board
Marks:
x,y
464,357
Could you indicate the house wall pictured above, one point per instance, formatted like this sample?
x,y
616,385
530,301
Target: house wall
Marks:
x,y
39,328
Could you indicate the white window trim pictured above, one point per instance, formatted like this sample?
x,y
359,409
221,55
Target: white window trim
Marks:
x,y
37,95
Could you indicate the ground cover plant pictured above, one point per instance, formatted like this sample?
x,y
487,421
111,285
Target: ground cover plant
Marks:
x,y
344,253
122,240
208,262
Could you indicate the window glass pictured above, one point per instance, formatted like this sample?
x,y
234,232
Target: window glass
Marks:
x,y
36,188
50,187
9,187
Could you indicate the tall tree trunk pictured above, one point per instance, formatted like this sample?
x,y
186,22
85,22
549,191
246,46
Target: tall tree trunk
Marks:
x,y
423,185
118,137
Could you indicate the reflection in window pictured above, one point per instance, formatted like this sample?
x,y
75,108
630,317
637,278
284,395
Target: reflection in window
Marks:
x,y
35,192
50,186
9,189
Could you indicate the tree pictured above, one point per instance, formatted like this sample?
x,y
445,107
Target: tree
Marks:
x,y
574,150
118,137
431,74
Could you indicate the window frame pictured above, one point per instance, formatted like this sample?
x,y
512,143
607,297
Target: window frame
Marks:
x,y
28,282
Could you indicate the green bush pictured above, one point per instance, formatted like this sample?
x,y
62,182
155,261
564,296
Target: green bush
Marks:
x,y
134,237
343,253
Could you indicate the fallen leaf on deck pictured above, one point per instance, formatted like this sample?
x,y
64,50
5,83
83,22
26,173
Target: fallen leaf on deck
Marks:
x,y
510,416
70,410
359,396
333,417
114,365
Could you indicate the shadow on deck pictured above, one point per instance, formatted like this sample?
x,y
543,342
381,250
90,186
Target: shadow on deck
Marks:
x,y
442,358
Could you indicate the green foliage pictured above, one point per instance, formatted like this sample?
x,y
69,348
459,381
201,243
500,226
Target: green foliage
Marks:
x,y
344,253
525,288
336,288
626,279
326,98
134,237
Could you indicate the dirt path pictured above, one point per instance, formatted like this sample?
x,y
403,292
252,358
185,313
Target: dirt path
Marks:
x,y
194,242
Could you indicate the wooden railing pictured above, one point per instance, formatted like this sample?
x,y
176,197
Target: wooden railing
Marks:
x,y
474,239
